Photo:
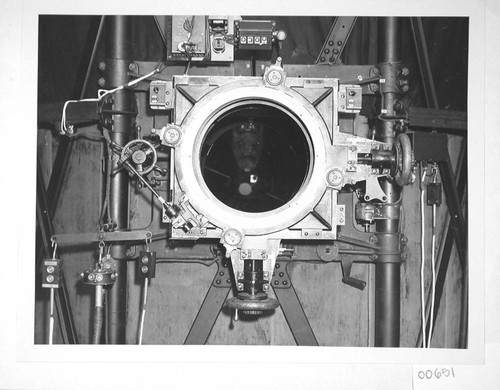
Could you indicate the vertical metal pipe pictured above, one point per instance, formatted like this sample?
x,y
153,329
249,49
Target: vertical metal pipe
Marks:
x,y
118,38
387,269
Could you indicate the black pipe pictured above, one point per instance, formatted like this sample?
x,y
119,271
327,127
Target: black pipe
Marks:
x,y
118,38
387,268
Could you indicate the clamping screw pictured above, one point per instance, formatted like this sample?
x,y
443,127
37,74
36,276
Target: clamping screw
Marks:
x,y
98,278
50,278
145,260
50,269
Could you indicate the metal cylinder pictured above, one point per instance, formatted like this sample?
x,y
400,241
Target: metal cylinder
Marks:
x,y
253,277
387,269
118,38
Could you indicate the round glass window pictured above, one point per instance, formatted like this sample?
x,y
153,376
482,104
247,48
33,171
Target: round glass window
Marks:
x,y
255,157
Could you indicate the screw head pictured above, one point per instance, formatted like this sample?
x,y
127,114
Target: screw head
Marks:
x,y
50,278
144,269
98,278
145,260
50,269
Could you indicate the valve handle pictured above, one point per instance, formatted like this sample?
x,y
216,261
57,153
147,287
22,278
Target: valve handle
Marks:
x,y
402,168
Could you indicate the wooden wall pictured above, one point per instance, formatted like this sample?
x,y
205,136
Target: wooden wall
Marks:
x,y
339,315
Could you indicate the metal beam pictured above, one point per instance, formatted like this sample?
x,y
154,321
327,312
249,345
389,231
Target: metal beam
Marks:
x,y
45,229
417,29
440,119
211,307
336,40
291,307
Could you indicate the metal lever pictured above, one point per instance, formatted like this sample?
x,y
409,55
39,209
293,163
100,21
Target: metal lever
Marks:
x,y
346,271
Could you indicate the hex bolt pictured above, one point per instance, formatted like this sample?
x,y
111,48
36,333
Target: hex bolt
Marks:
x,y
335,51
102,65
101,81
405,71
131,66
113,276
50,269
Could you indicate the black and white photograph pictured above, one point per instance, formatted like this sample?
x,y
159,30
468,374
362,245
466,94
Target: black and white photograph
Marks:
x,y
232,192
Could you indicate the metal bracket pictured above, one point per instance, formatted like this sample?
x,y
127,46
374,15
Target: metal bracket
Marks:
x,y
373,190
281,279
223,277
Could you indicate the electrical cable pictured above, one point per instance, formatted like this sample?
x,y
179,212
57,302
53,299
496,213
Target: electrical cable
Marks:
x,y
422,254
189,27
51,318
433,263
101,93
143,312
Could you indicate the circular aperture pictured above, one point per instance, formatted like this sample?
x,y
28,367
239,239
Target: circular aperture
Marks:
x,y
255,157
